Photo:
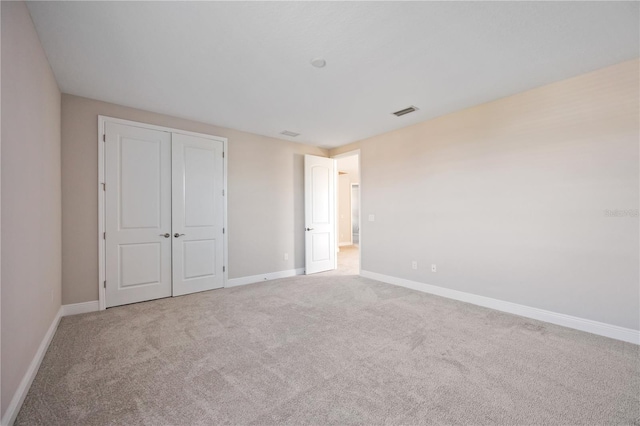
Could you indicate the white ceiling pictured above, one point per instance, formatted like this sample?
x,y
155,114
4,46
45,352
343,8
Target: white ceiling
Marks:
x,y
246,65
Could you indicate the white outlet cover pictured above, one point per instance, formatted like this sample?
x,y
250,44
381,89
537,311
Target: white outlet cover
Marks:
x,y
372,218
433,267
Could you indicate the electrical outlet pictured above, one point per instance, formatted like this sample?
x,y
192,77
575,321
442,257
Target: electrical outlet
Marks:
x,y
286,256
414,265
433,267
372,218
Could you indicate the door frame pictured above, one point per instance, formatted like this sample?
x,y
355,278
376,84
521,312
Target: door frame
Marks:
x,y
102,120
351,154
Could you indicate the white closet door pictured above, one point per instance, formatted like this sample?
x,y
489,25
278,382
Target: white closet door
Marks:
x,y
138,214
197,210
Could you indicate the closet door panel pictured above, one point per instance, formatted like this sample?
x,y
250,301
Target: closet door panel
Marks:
x,y
197,214
138,214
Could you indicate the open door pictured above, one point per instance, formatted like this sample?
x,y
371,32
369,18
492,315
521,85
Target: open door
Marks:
x,y
319,212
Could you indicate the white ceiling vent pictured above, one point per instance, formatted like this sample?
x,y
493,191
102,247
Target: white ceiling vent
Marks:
x,y
405,111
288,133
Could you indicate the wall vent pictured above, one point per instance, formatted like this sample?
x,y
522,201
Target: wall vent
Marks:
x,y
405,111
288,133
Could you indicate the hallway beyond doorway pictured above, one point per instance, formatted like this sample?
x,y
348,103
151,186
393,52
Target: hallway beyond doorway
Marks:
x,y
349,260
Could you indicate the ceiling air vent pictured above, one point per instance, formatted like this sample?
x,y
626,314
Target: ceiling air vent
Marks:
x,y
288,133
405,111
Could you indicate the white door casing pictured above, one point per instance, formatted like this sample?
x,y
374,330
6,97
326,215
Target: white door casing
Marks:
x,y
137,214
319,210
198,214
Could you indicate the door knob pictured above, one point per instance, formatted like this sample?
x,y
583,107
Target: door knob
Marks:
x,y
177,235
309,229
167,235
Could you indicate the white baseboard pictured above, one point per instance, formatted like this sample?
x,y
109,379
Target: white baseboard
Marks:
x,y
582,324
80,308
234,282
21,393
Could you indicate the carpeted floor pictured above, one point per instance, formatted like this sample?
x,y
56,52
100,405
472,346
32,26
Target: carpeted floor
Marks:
x,y
327,349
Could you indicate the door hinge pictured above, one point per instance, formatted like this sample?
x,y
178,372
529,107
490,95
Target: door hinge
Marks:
x,y
222,154
223,192
104,137
224,268
104,235
104,186
223,230
104,284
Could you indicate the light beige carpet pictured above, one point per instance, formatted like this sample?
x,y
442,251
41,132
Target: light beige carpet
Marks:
x,y
327,349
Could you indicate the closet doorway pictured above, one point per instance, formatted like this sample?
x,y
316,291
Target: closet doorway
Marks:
x,y
162,210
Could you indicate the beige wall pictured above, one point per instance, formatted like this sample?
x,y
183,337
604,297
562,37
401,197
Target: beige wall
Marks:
x,y
265,205
508,198
344,209
31,213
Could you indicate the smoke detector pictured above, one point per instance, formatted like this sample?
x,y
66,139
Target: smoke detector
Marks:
x,y
318,62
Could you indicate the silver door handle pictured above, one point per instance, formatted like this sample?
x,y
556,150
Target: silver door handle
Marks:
x,y
167,235
309,229
177,235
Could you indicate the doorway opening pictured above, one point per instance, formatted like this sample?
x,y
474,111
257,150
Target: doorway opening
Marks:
x,y
348,213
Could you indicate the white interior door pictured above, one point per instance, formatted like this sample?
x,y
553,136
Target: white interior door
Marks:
x,y
138,214
197,208
319,211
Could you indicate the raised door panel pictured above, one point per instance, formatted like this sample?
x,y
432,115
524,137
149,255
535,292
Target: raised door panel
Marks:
x,y
140,264
320,195
320,246
140,183
199,187
199,259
